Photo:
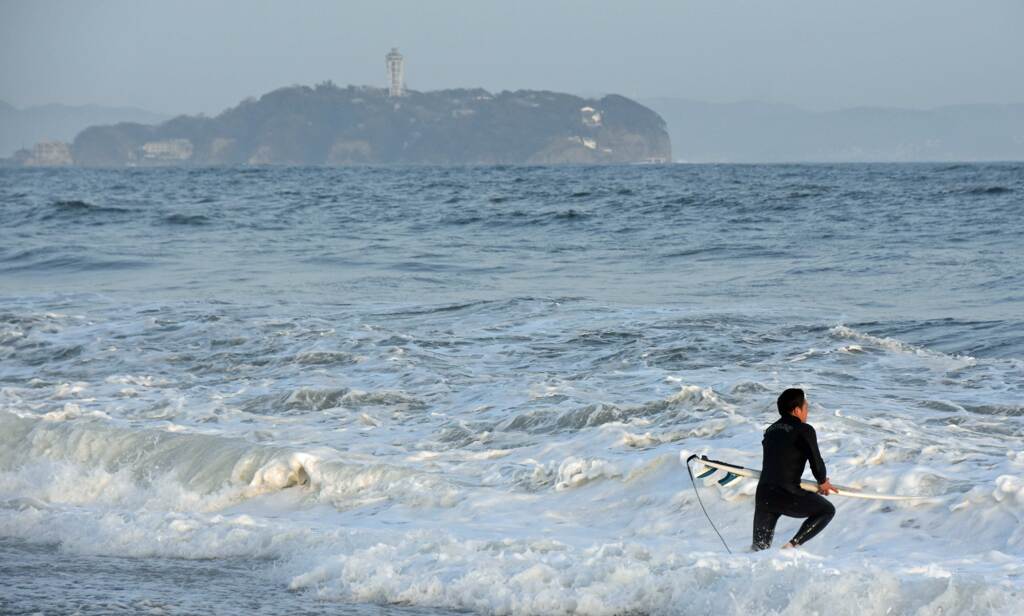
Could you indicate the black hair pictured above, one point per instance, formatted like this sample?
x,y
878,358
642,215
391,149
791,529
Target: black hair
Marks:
x,y
790,399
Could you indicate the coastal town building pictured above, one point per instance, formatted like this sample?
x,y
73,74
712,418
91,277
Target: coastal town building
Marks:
x,y
49,154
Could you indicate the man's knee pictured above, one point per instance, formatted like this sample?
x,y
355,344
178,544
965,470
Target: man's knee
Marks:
x,y
828,510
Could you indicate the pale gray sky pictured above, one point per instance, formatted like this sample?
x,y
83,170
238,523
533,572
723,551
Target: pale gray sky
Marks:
x,y
203,56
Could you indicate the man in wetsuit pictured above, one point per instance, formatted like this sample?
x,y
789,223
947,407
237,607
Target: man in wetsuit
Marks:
x,y
789,444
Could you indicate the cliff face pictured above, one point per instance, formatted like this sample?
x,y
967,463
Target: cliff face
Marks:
x,y
327,125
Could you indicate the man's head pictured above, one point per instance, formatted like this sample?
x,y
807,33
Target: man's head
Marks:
x,y
793,402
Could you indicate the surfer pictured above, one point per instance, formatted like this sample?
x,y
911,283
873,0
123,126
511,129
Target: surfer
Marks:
x,y
789,444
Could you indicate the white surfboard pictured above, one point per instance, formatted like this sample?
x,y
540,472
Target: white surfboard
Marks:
x,y
711,466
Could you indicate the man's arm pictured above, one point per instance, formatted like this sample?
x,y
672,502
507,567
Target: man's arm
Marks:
x,y
814,456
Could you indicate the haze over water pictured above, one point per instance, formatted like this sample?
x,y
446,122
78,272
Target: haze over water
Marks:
x,y
317,390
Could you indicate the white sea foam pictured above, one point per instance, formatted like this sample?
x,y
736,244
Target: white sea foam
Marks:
x,y
464,477
895,345
603,538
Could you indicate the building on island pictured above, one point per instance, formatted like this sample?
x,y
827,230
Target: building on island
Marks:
x,y
167,150
396,72
49,154
590,116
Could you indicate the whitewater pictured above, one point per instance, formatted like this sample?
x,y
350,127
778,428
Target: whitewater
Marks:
x,y
450,390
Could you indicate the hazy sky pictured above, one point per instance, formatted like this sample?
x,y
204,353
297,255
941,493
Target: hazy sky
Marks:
x,y
191,56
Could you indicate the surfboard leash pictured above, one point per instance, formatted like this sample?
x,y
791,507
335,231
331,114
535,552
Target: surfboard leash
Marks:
x,y
697,492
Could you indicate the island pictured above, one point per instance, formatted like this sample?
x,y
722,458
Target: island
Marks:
x,y
362,125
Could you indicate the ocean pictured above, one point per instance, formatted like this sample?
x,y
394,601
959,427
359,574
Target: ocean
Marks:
x,y
417,390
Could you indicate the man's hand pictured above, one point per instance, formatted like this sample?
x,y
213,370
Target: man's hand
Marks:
x,y
826,488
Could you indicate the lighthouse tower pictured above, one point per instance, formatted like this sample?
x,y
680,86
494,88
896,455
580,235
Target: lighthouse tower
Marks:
x,y
396,72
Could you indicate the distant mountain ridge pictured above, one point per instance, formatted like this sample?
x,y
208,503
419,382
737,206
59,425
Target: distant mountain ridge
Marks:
x,y
22,128
754,132
330,125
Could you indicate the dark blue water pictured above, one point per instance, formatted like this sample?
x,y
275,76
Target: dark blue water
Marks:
x,y
911,243
905,239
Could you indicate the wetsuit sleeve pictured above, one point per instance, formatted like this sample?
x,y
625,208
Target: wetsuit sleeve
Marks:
x,y
814,456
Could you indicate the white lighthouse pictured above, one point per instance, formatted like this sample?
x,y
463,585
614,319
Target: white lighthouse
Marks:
x,y
396,72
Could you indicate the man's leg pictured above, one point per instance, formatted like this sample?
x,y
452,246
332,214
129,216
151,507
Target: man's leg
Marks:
x,y
764,527
818,512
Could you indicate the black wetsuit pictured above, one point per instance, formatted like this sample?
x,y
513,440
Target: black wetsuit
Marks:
x,y
788,445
